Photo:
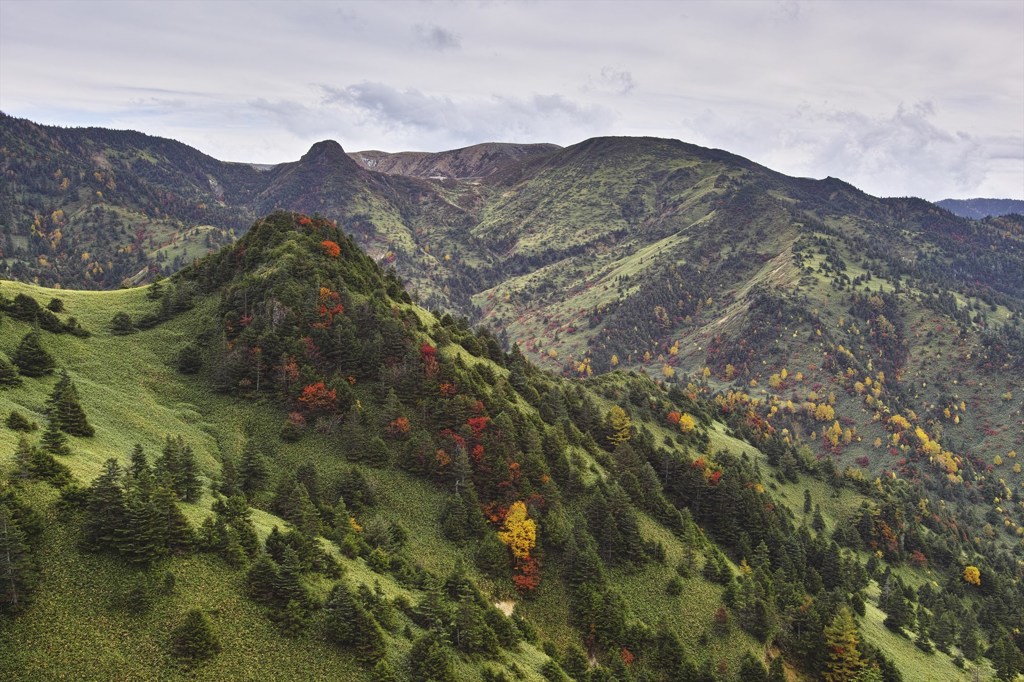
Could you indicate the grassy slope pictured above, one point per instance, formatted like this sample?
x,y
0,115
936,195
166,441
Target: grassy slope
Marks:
x,y
132,394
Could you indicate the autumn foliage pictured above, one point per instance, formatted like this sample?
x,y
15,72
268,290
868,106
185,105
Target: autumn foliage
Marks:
x,y
318,398
330,248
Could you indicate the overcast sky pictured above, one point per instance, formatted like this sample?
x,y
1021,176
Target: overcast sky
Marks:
x,y
898,98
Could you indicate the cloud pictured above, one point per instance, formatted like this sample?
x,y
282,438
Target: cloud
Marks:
x,y
437,38
468,120
611,81
904,150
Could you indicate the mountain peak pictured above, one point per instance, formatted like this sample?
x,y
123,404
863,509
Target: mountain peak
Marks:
x,y
325,150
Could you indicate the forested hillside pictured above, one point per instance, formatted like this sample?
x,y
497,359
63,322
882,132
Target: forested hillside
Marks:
x,y
275,461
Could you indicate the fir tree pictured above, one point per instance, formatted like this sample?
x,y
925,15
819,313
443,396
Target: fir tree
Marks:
x,y
140,537
17,576
349,624
16,421
431,659
842,641
178,462
253,472
260,580
31,358
8,373
66,411
194,640
139,466
54,441
105,507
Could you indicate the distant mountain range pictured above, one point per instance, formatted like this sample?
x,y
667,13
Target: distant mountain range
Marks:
x,y
982,208
635,253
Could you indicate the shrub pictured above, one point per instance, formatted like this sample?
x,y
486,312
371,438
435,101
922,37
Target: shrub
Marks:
x,y
122,324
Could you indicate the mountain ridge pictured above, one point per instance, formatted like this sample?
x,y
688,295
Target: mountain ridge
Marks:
x,y
293,349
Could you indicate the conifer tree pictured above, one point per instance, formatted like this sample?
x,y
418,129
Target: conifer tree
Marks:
x,y
16,571
105,507
8,373
54,441
139,465
178,462
140,537
261,578
31,358
431,659
194,640
66,411
253,473
351,625
842,641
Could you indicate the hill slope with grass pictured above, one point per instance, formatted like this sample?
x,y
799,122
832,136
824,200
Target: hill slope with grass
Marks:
x,y
332,481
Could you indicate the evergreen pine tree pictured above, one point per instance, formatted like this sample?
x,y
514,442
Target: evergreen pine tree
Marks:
x,y
230,479
8,373
16,421
140,538
384,672
818,522
194,640
105,507
253,472
349,624
431,659
31,358
54,441
66,411
844,659
139,466
177,532
17,576
178,461
261,578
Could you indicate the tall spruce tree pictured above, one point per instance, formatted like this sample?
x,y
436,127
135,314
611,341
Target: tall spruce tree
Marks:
x,y
105,507
351,625
253,472
65,409
17,575
31,358
178,463
8,373
54,441
843,647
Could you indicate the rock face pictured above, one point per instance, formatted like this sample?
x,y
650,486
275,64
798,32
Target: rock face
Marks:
x,y
478,161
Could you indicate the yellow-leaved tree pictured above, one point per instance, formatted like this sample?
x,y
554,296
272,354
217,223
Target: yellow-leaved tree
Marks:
x,y
972,575
620,426
519,531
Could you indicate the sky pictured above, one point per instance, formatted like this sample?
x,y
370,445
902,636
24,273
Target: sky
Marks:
x,y
899,98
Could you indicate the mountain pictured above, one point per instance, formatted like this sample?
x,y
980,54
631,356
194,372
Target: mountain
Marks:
x,y
982,208
881,335
477,161
331,481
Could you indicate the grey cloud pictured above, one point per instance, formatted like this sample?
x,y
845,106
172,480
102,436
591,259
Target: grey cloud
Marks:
x,y
905,150
437,38
612,80
476,119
